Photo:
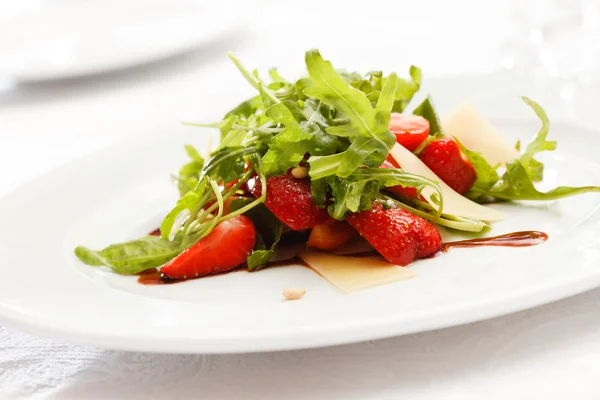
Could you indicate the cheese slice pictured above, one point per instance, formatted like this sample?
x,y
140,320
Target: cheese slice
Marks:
x,y
454,203
350,274
477,133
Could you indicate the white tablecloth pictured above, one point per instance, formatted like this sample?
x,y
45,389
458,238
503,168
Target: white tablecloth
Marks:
x,y
552,352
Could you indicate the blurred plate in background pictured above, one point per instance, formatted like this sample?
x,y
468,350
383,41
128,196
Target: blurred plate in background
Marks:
x,y
65,39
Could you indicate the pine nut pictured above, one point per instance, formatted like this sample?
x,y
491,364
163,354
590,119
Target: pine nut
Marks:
x,y
299,172
293,293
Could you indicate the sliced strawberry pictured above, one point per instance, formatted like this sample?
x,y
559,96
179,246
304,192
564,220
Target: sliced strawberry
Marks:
x,y
429,240
410,130
226,247
398,235
399,190
445,159
330,236
290,200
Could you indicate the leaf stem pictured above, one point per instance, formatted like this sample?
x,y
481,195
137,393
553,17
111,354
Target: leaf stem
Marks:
x,y
256,84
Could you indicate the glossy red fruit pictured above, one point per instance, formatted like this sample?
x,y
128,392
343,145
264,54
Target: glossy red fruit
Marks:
x,y
409,192
397,234
429,240
226,247
445,159
330,236
410,130
290,200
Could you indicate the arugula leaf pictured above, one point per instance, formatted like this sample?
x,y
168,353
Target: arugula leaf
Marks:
x,y
406,90
427,110
487,176
517,181
189,173
397,176
303,133
374,81
132,257
184,208
246,108
275,76
253,79
224,126
268,232
534,168
351,196
366,127
516,184
228,164
318,191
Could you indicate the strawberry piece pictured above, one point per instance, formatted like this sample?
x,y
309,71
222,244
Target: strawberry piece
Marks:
x,y
290,200
226,247
399,190
445,159
397,234
429,240
330,236
410,130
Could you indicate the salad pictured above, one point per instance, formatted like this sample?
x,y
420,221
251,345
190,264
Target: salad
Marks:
x,y
329,159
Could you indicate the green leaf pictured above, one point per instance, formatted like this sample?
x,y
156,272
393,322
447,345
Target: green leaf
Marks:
x,y
318,191
366,126
132,257
184,208
193,153
427,110
304,133
364,151
534,168
397,176
253,79
287,148
268,228
246,108
374,81
333,90
516,184
188,176
275,76
415,74
224,126
228,164
189,173
351,196
406,90
486,174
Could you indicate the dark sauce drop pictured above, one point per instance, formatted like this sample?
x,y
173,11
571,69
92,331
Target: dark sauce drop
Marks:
x,y
155,277
515,239
155,232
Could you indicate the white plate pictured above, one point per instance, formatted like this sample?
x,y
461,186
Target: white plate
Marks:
x,y
123,192
69,38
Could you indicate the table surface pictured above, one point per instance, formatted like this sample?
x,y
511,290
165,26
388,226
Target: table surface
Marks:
x,y
550,352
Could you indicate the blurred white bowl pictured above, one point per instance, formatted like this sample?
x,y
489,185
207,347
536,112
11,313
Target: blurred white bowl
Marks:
x,y
65,38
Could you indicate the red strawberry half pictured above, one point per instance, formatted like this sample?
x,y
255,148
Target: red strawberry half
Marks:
x,y
290,200
397,234
445,159
226,247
